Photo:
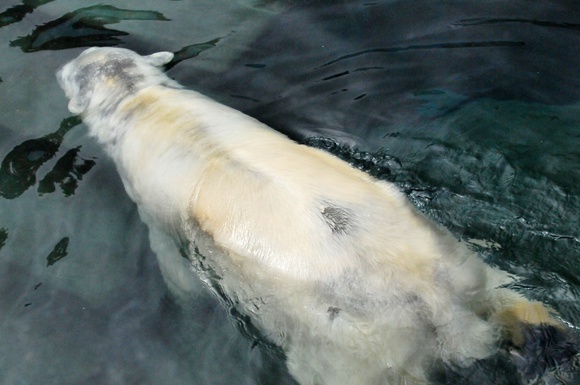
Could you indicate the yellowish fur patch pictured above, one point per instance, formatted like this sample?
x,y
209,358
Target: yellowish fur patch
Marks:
x,y
522,313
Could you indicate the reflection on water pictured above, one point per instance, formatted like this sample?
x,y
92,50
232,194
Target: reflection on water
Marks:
x,y
67,171
18,12
81,28
19,167
471,109
543,23
468,44
58,253
191,51
3,237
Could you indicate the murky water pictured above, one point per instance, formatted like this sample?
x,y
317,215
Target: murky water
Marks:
x,y
472,108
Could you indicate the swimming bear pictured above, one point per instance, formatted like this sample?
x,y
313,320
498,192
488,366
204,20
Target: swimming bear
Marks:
x,y
333,266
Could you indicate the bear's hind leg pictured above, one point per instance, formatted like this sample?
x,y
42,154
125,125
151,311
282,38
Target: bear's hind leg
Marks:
x,y
538,341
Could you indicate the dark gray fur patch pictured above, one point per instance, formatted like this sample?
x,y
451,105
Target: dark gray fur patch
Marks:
x,y
338,219
123,70
333,312
120,69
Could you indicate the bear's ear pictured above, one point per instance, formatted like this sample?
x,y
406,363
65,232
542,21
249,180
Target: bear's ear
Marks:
x,y
158,59
79,103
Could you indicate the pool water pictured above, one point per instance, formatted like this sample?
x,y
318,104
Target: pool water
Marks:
x,y
471,108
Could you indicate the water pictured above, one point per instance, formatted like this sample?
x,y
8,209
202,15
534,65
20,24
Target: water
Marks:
x,y
472,108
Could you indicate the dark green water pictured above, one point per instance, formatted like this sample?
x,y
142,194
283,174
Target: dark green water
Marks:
x,y
472,108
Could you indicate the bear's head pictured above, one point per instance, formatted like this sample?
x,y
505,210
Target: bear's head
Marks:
x,y
100,78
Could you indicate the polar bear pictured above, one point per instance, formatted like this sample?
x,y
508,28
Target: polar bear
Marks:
x,y
335,267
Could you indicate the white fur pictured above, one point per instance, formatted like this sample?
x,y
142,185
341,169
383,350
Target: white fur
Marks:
x,y
334,266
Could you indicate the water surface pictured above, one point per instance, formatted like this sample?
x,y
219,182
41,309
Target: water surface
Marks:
x,y
472,108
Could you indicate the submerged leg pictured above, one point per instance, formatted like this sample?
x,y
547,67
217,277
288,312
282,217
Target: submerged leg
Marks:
x,y
538,341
